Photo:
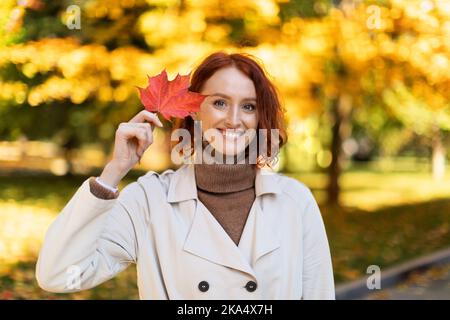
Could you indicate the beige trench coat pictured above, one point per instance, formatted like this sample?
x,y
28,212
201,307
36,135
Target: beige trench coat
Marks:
x,y
158,223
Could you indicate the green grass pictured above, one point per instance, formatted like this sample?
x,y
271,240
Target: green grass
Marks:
x,y
387,218
372,190
384,237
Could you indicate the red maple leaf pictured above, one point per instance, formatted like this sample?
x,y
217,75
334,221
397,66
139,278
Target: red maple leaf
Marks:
x,y
170,98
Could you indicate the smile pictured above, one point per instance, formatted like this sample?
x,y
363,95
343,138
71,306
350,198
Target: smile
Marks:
x,y
231,133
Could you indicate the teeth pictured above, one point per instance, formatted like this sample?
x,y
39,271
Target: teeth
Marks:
x,y
232,133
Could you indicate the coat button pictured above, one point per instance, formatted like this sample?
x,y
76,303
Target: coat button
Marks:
x,y
203,286
251,286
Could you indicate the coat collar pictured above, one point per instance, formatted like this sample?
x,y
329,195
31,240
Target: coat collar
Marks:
x,y
259,237
208,240
182,186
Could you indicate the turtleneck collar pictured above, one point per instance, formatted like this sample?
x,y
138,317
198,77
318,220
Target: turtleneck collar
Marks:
x,y
225,178
222,177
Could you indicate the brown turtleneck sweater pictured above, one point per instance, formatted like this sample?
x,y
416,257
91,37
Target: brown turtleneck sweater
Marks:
x,y
228,191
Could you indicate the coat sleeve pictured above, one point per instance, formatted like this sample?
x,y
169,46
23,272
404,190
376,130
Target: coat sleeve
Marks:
x,y
90,241
318,279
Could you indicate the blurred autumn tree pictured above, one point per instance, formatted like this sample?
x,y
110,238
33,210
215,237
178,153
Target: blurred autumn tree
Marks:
x,y
416,47
75,85
64,85
360,53
328,58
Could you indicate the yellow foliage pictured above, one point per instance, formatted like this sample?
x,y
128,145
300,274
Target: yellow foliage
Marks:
x,y
13,91
300,54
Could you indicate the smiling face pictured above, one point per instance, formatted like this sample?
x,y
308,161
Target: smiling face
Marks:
x,y
229,111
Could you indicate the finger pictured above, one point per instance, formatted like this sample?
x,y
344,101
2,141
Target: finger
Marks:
x,y
143,138
148,142
148,128
145,115
128,132
142,143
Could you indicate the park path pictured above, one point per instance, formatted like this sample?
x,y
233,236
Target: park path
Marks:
x,y
430,284
423,278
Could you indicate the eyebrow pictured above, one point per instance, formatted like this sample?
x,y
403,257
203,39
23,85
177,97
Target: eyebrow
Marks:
x,y
227,97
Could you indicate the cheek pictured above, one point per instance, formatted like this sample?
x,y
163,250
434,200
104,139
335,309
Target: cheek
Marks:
x,y
209,116
251,121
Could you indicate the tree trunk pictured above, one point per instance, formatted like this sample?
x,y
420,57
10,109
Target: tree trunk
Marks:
x,y
68,151
340,112
438,156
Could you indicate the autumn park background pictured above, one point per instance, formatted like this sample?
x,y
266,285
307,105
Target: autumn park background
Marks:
x,y
365,86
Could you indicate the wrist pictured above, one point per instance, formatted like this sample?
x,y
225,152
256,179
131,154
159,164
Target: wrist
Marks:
x,y
106,186
111,175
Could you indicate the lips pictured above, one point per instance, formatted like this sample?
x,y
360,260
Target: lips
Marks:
x,y
231,133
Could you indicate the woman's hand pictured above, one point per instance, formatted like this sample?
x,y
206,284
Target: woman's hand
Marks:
x,y
131,141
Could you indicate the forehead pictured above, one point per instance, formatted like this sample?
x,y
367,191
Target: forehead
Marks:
x,y
230,81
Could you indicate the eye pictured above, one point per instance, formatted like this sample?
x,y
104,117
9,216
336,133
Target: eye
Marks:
x,y
249,107
219,103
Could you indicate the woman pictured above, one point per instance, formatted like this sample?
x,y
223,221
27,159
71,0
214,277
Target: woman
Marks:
x,y
207,230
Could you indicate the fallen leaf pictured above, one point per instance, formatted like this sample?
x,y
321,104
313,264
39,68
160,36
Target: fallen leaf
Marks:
x,y
170,98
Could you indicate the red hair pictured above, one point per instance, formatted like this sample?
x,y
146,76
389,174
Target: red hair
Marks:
x,y
270,112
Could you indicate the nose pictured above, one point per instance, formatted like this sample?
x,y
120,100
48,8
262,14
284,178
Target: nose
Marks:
x,y
233,117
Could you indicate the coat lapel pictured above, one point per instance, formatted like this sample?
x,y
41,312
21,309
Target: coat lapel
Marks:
x,y
260,236
261,233
207,238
